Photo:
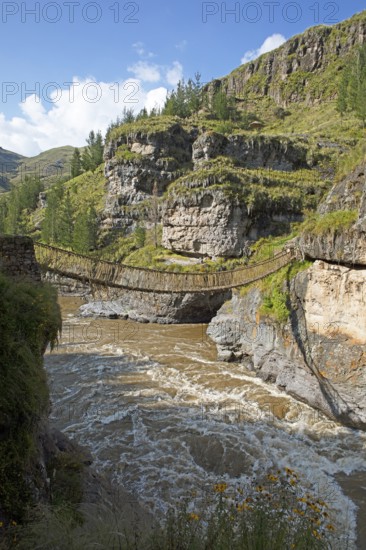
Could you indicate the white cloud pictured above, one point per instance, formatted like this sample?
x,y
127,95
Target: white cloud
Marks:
x,y
145,71
155,99
174,74
181,46
139,47
270,43
84,106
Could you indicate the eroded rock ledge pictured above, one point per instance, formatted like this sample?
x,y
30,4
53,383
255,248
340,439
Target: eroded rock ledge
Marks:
x,y
163,308
319,357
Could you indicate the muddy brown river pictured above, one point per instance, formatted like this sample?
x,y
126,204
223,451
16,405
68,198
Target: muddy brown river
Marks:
x,y
162,416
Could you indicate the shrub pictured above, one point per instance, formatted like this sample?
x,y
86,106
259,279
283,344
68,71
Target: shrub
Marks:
x,y
29,318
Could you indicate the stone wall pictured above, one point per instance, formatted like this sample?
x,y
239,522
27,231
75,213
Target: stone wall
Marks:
x,y
17,258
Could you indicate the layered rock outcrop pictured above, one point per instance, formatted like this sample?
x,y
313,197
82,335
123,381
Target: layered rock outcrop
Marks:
x,y
271,152
319,356
163,308
346,245
207,223
287,73
138,165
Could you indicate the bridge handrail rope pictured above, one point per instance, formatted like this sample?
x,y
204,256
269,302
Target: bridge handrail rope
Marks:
x,y
112,274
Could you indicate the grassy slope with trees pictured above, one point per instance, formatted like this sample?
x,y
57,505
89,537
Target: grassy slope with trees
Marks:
x,y
29,312
74,207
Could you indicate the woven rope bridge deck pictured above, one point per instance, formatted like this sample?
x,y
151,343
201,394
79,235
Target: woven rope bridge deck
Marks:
x,y
88,269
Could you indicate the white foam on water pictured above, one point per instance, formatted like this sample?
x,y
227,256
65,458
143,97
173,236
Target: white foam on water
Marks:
x,y
165,428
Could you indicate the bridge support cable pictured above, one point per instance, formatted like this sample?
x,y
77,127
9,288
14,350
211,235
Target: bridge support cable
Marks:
x,y
108,274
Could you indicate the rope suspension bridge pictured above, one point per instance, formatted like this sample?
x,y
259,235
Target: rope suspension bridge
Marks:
x,y
94,271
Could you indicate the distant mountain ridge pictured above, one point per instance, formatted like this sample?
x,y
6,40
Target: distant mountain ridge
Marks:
x,y
52,164
9,163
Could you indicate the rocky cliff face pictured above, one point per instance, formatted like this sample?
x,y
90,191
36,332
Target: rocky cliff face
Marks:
x,y
136,166
319,355
287,74
345,245
271,152
206,223
163,308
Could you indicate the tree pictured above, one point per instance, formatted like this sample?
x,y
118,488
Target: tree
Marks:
x,y
140,236
223,107
352,88
143,114
127,116
21,200
86,231
52,226
186,99
194,93
155,211
76,163
3,215
92,157
66,229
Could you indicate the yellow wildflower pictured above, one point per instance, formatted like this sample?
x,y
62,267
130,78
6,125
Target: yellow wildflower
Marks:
x,y
193,517
243,506
220,487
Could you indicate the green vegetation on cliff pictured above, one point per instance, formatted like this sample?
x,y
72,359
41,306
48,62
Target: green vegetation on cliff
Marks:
x,y
29,319
332,222
259,189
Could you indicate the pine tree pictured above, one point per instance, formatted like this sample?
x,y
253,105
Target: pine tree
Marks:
x,y
185,100
194,94
57,227
223,107
65,223
143,114
3,215
51,224
92,157
352,88
85,231
127,116
21,200
76,163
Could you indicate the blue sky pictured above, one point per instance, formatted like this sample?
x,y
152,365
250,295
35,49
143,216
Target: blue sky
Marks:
x,y
126,54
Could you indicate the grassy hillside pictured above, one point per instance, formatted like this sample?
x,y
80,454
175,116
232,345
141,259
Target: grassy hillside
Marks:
x,y
50,166
292,91
9,163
